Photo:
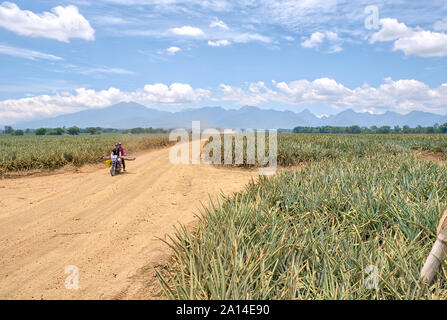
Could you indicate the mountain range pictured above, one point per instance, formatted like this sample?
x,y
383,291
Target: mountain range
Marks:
x,y
131,115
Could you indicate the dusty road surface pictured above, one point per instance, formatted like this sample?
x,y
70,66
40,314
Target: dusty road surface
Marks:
x,y
106,227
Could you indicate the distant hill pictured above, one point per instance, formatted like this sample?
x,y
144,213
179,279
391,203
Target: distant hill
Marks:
x,y
131,115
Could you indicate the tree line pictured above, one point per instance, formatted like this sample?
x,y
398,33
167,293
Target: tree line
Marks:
x,y
74,131
373,129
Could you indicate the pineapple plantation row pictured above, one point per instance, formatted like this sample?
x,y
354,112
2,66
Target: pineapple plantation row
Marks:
x,y
23,153
357,221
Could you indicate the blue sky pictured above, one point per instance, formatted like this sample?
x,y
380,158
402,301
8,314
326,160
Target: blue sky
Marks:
x,y
60,57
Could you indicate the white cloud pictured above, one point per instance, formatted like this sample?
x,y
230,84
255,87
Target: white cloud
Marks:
x,y
275,16
173,50
179,5
412,41
249,37
219,43
331,36
391,30
335,48
62,23
236,36
104,70
401,95
256,93
45,105
218,24
424,44
26,53
175,94
315,40
110,20
318,38
188,31
293,14
91,70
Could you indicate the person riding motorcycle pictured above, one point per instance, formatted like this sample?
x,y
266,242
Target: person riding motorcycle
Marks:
x,y
118,151
123,153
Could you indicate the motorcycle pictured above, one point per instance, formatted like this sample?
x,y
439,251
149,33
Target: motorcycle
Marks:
x,y
115,163
115,166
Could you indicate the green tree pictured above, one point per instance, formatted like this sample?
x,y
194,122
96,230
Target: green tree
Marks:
x,y
384,129
56,132
430,130
8,129
40,131
92,130
137,130
353,129
406,129
397,129
18,133
74,131
419,129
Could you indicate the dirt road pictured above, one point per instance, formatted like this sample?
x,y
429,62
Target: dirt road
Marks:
x,y
106,227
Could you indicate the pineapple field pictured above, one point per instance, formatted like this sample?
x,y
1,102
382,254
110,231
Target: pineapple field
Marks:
x,y
359,206
23,153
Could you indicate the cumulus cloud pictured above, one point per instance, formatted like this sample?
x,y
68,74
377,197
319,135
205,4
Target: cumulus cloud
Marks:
x,y
256,93
62,23
315,40
219,43
412,41
45,105
401,95
391,30
424,44
318,38
26,53
188,31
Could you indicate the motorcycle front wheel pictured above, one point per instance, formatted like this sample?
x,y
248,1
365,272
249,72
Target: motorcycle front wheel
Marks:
x,y
112,171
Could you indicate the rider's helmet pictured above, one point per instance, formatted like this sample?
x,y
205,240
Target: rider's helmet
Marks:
x,y
117,144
